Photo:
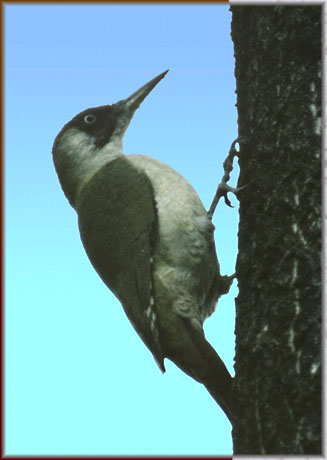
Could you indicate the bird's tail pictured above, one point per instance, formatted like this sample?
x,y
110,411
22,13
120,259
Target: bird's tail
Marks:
x,y
211,371
187,347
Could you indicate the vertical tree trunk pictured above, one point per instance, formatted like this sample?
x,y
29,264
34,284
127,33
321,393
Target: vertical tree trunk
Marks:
x,y
277,389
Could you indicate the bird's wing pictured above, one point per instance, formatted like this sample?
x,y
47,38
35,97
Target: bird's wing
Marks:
x,y
117,222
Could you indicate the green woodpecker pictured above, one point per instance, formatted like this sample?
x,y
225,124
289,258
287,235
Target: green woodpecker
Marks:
x,y
148,236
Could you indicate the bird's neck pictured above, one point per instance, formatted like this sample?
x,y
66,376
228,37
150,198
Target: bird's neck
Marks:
x,y
81,160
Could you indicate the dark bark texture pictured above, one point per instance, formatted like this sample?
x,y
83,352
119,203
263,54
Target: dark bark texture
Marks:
x,y
277,391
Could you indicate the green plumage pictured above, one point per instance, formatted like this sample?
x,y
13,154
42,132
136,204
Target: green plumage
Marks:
x,y
148,236
117,222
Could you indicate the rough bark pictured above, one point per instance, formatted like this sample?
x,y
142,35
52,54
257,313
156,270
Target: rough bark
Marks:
x,y
277,392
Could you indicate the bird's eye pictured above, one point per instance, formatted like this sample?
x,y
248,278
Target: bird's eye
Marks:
x,y
89,119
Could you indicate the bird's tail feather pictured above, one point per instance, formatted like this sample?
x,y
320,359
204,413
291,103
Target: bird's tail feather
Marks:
x,y
187,347
210,370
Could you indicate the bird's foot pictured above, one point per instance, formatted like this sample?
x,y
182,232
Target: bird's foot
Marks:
x,y
225,282
223,188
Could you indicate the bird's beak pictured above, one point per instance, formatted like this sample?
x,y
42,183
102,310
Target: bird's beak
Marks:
x,y
127,107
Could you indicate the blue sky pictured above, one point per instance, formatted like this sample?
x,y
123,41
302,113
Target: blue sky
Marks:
x,y
78,378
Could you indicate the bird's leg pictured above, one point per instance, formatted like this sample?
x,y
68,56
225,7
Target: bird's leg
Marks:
x,y
223,188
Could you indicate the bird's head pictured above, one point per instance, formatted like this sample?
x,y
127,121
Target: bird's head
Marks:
x,y
93,138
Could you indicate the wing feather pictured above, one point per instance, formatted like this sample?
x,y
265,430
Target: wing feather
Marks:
x,y
117,222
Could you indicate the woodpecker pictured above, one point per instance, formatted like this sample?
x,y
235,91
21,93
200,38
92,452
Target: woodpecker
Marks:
x,y
148,236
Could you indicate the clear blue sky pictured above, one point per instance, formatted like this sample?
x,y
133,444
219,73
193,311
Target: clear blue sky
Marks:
x,y
78,378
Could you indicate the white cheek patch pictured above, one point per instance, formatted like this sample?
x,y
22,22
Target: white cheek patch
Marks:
x,y
83,157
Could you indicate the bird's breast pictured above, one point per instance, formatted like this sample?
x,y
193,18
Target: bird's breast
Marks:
x,y
185,233
178,205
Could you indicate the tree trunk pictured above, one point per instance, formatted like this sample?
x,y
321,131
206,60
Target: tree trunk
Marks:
x,y
277,391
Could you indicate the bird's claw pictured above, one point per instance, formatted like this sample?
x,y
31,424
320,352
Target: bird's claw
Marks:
x,y
224,188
